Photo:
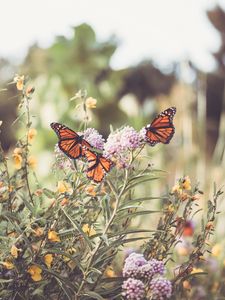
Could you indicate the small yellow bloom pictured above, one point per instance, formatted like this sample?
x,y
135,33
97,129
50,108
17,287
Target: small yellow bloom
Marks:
x,y
53,236
216,250
186,183
196,270
48,258
209,225
31,134
32,162
186,285
19,80
63,187
109,272
90,231
91,102
18,151
38,192
176,189
64,202
29,91
8,265
35,272
38,231
14,251
90,190
183,251
17,161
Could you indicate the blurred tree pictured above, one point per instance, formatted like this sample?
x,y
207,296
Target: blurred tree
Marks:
x,y
8,104
146,81
215,88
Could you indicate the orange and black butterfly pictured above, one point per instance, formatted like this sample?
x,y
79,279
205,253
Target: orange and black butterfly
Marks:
x,y
161,130
98,166
71,143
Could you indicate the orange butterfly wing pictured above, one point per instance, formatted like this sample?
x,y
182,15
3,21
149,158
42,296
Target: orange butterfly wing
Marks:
x,y
161,130
72,144
98,166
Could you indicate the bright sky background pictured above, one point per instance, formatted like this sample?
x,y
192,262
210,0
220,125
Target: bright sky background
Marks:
x,y
163,30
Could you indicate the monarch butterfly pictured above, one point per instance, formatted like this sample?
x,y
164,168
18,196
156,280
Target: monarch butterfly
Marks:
x,y
98,165
72,144
161,130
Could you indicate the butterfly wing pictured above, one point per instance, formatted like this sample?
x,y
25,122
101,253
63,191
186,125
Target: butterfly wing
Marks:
x,y
161,130
69,141
98,165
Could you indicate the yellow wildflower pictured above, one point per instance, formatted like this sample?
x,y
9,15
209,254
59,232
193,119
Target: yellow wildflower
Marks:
x,y
38,231
31,134
17,158
35,272
186,285
8,265
90,190
176,189
109,272
14,251
216,250
196,270
53,236
91,102
89,230
29,91
32,162
183,251
19,80
38,192
63,187
48,258
186,183
209,225
64,202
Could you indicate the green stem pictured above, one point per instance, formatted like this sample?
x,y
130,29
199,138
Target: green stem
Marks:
x,y
118,198
27,150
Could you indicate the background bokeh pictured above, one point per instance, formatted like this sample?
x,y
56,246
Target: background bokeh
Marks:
x,y
136,59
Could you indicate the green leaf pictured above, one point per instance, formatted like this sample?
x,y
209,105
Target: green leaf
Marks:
x,y
142,180
77,226
48,193
138,200
136,213
131,231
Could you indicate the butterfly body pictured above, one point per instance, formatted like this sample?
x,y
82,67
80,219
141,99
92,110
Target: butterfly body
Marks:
x,y
161,130
98,166
71,143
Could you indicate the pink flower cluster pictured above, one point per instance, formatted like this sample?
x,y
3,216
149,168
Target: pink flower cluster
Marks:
x,y
139,270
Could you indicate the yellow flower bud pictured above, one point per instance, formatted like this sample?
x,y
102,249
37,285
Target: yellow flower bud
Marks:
x,y
35,272
91,102
48,258
31,134
8,265
32,162
14,251
90,231
53,236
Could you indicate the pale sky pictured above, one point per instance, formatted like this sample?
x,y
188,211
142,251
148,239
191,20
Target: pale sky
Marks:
x,y
162,30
